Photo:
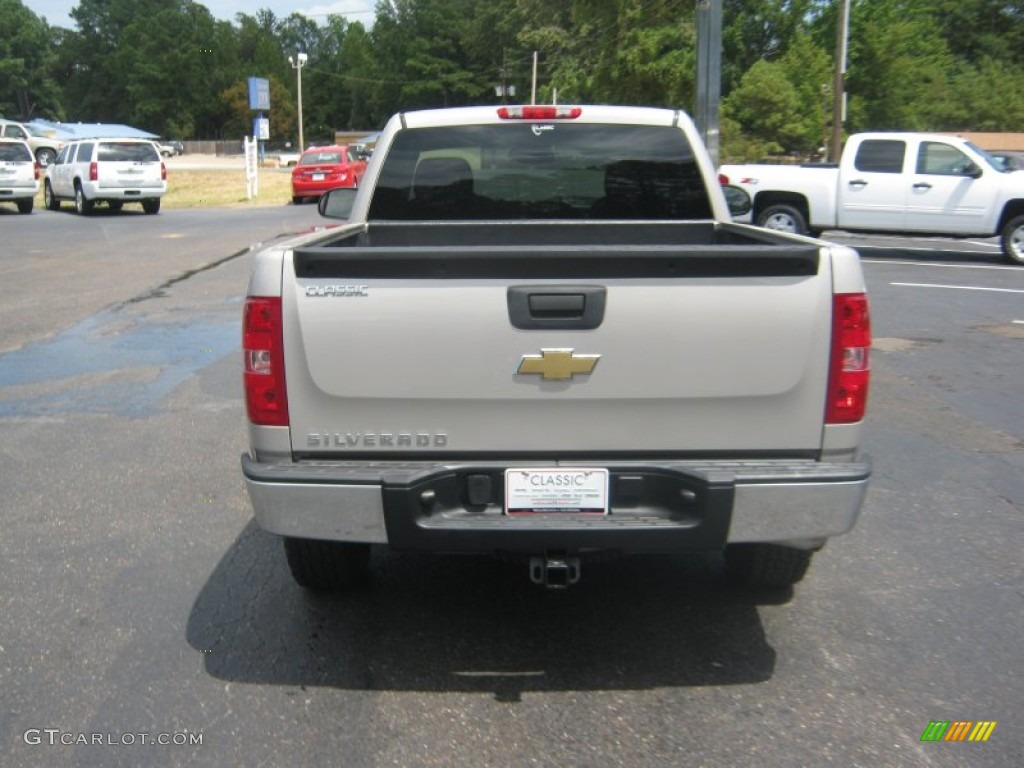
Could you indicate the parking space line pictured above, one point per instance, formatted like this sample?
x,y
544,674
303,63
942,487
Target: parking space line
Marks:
x,y
939,266
960,287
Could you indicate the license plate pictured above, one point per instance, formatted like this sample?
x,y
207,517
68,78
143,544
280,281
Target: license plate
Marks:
x,y
556,490
318,177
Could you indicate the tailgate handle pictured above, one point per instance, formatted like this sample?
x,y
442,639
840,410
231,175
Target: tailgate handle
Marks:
x,y
557,304
568,307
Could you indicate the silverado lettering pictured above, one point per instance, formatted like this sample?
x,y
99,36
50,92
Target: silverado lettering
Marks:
x,y
376,439
725,414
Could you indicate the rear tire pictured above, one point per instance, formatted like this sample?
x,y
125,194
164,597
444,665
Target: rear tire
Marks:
x,y
25,206
297,200
49,199
1012,240
783,218
766,565
327,566
151,206
83,206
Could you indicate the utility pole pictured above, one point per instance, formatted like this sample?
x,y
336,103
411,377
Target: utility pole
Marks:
x,y
838,84
709,72
504,76
533,90
297,64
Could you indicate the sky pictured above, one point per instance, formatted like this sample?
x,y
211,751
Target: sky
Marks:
x,y
57,12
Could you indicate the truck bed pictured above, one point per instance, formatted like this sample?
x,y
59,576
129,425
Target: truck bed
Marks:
x,y
556,249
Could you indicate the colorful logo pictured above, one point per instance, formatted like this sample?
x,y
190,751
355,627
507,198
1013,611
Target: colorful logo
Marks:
x,y
958,730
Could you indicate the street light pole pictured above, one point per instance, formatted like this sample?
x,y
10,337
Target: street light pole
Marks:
x,y
297,64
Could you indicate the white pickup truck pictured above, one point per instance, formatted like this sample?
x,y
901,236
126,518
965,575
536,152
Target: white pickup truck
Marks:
x,y
892,182
538,334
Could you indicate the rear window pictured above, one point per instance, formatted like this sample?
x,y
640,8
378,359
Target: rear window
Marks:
x,y
322,158
15,153
540,171
128,152
880,156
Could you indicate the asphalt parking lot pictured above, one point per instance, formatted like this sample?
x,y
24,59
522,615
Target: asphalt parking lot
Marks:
x,y
147,621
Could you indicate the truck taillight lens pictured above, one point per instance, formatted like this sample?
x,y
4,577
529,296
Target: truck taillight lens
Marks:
x,y
539,112
94,172
36,167
850,367
266,398
163,172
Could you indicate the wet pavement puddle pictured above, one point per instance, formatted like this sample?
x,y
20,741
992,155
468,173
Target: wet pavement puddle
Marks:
x,y
114,362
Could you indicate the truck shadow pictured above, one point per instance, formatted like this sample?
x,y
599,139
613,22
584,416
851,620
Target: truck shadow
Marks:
x,y
477,624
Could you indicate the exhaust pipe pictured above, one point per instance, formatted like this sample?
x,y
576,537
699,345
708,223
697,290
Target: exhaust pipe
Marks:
x,y
554,571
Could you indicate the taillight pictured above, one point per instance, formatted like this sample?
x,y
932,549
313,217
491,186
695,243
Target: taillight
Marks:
x,y
36,168
266,397
94,172
723,179
540,112
850,368
163,172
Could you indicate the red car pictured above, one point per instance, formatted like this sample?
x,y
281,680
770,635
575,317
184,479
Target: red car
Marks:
x,y
323,168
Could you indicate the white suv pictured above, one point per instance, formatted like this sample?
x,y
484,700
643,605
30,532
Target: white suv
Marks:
x,y
44,148
19,174
114,171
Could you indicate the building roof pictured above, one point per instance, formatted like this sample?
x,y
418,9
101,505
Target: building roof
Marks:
x,y
71,131
994,142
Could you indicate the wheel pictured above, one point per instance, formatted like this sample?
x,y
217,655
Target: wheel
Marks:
x,y
297,200
83,206
766,565
25,206
49,199
45,157
151,206
327,566
1013,240
783,218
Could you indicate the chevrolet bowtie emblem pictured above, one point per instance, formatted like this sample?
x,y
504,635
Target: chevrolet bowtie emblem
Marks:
x,y
557,364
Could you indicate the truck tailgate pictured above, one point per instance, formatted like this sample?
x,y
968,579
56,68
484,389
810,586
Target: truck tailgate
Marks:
x,y
397,355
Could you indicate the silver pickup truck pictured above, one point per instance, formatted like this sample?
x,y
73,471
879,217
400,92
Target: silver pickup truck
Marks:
x,y
539,334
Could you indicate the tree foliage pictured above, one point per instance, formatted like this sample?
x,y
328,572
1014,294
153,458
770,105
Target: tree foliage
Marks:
x,y
170,67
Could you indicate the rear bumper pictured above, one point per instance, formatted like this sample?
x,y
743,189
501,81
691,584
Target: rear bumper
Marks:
x,y
94,191
17,190
655,506
317,188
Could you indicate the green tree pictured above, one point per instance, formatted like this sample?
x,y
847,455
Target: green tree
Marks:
x,y
27,85
753,30
173,71
976,30
987,96
809,70
899,66
96,85
767,106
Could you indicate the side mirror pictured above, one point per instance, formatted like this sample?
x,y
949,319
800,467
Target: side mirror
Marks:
x,y
337,203
973,171
737,199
